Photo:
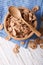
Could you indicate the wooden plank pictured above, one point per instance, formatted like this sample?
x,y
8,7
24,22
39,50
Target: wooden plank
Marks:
x,y
24,57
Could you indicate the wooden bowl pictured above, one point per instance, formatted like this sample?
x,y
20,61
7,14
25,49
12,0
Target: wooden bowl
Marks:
x,y
35,24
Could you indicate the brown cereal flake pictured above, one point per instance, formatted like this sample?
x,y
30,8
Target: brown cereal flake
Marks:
x,y
14,32
12,23
7,37
41,41
34,17
9,29
1,26
41,46
37,40
17,46
22,43
36,8
30,18
15,50
32,44
30,14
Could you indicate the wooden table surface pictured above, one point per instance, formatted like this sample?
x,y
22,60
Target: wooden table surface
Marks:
x,y
24,57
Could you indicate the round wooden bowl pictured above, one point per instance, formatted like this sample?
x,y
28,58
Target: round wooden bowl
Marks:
x,y
35,23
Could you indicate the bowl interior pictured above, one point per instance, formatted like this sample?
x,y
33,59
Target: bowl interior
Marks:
x,y
5,23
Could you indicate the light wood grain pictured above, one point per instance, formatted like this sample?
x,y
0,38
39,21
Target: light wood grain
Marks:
x,y
24,57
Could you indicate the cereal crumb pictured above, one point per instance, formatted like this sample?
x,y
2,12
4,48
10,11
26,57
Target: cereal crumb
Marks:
x,y
16,48
37,40
41,46
32,45
36,8
1,26
22,43
41,41
7,37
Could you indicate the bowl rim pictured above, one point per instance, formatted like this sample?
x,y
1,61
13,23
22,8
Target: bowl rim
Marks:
x,y
11,35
